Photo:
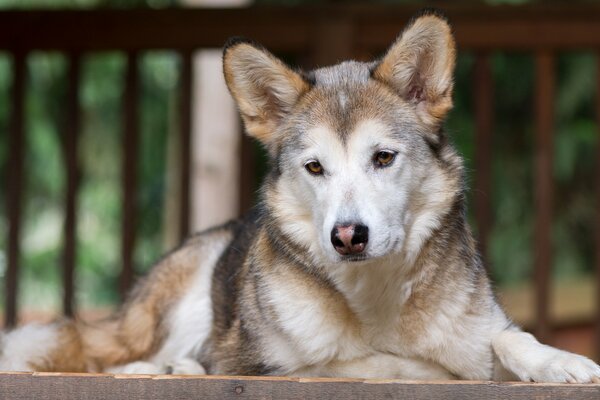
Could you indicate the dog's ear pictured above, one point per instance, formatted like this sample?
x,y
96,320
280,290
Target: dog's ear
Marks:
x,y
420,65
264,88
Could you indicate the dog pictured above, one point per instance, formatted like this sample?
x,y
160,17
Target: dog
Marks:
x,y
357,261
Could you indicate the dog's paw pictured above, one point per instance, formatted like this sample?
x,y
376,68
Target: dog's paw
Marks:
x,y
185,366
521,354
137,367
562,366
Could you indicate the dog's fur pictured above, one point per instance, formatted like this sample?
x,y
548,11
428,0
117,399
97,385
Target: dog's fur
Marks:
x,y
271,295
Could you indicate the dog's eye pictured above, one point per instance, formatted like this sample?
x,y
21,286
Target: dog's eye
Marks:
x,y
314,167
384,158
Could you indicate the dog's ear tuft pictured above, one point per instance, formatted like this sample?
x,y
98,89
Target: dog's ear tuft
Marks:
x,y
419,66
264,88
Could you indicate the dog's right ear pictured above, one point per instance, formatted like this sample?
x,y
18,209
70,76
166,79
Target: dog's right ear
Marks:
x,y
420,64
264,88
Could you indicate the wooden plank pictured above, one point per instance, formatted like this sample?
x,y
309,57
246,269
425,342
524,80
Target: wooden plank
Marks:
x,y
544,131
16,177
72,178
69,386
333,41
248,181
185,131
484,122
597,320
130,157
524,27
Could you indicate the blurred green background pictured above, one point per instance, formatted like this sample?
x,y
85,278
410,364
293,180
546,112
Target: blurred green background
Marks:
x,y
98,254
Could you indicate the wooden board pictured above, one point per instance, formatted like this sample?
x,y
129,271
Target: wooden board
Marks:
x,y
131,387
526,27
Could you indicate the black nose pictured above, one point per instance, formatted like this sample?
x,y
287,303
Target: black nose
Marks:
x,y
350,238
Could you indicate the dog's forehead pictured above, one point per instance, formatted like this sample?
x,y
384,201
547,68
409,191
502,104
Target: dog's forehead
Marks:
x,y
343,97
349,72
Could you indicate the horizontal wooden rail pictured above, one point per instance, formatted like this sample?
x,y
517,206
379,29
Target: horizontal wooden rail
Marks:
x,y
294,28
89,386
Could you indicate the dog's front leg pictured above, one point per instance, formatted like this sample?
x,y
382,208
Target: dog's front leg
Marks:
x,y
521,354
380,366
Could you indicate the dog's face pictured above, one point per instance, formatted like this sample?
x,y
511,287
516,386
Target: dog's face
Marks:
x,y
353,146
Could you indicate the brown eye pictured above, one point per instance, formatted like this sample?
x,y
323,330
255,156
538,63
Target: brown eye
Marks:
x,y
384,158
314,167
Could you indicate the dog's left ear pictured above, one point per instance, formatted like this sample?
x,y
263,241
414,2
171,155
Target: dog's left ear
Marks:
x,y
420,65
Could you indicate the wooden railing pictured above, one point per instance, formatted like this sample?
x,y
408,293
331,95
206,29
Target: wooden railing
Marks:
x,y
316,35
52,386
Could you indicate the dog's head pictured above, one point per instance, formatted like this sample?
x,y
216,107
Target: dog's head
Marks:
x,y
360,166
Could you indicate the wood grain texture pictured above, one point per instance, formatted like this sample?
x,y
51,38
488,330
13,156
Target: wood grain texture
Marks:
x,y
185,135
130,148
14,198
543,189
72,174
68,386
597,254
294,28
483,107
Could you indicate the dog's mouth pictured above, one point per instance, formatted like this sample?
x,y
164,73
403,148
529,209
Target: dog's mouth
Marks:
x,y
354,258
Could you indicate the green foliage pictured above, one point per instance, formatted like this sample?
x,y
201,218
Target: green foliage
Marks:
x,y
511,241
158,120
99,226
98,231
44,183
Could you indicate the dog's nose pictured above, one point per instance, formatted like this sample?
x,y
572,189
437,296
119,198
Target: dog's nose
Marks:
x,y
350,239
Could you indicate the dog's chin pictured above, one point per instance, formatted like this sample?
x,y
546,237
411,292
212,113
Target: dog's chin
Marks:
x,y
370,257
355,258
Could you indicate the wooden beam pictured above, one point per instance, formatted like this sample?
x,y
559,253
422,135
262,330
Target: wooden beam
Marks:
x,y
69,386
544,150
185,131
484,124
597,183
129,172
476,27
333,41
248,180
15,186
72,178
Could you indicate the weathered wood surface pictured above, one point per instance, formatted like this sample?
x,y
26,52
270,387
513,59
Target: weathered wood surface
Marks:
x,y
88,386
294,28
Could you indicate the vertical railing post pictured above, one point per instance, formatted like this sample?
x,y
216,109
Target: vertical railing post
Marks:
x,y
16,146
130,157
597,321
544,130
72,174
185,130
484,121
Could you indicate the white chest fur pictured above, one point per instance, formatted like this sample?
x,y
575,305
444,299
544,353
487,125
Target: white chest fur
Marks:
x,y
370,316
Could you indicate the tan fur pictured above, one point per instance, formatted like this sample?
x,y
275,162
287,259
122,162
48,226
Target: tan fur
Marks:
x,y
265,87
69,354
419,66
136,331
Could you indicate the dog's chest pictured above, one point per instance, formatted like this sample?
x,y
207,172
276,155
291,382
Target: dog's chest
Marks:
x,y
312,324
315,326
